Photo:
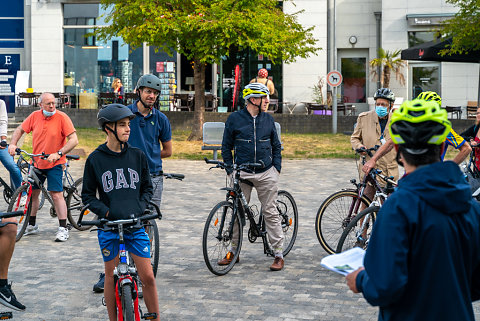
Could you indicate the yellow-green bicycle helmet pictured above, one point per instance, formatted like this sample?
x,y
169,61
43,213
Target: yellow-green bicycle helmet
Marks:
x,y
418,123
430,96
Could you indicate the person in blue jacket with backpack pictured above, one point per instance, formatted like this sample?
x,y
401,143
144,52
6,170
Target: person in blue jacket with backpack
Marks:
x,y
423,259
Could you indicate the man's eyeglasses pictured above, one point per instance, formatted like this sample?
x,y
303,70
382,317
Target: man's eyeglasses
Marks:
x,y
150,92
49,104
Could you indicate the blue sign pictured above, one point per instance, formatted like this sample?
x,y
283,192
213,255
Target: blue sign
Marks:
x,y
9,65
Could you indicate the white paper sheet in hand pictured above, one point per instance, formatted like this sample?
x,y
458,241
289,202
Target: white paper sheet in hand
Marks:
x,y
345,262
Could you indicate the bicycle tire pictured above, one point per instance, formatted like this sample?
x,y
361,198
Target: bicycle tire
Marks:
x,y
12,207
75,205
215,249
288,212
127,302
152,230
350,235
24,166
334,215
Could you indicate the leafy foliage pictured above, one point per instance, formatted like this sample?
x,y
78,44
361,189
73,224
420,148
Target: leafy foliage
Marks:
x,y
464,28
389,62
206,30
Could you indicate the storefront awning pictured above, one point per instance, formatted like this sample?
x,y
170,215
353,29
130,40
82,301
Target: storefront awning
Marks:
x,y
430,51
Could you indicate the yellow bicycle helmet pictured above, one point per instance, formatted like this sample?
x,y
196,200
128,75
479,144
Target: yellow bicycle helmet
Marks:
x,y
430,96
418,123
255,90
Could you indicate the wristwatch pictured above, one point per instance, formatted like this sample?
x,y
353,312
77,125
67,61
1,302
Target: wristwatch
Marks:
x,y
60,153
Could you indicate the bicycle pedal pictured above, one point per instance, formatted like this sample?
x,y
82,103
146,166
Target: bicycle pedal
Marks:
x,y
6,315
149,316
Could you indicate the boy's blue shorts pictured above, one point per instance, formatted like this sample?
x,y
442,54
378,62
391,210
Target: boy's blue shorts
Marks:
x,y
136,242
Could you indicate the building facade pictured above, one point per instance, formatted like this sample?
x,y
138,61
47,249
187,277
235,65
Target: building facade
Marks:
x,y
49,41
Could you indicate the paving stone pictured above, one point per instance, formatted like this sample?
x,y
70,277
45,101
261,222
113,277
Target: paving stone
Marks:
x,y
55,280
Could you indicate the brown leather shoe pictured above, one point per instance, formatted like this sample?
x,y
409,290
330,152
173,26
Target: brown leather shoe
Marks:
x,y
228,259
277,264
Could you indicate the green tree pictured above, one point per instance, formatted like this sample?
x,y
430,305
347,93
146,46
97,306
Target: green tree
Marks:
x,y
464,27
388,62
205,30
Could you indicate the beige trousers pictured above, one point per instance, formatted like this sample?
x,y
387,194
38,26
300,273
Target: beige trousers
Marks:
x,y
266,184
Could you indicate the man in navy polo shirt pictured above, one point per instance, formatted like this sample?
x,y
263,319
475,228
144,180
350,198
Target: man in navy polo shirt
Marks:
x,y
150,131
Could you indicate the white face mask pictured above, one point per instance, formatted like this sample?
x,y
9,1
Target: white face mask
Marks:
x,y
48,113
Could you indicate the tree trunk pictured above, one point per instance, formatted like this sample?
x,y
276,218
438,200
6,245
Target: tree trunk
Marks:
x,y
386,77
199,109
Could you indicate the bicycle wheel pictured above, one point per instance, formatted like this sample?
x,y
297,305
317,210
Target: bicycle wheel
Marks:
x,y
334,215
24,166
75,205
127,302
218,238
358,231
287,209
152,231
14,205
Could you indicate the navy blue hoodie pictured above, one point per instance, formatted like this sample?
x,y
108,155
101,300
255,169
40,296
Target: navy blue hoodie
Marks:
x,y
122,181
424,252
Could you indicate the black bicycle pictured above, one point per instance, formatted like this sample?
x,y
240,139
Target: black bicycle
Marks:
x,y
152,230
339,209
224,226
126,277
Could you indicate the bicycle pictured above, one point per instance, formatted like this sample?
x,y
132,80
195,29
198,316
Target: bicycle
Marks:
x,y
125,274
229,215
152,230
472,173
338,209
358,231
69,187
8,189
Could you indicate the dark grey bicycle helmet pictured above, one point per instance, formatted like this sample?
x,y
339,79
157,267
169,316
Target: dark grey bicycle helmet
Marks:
x,y
384,93
112,113
150,81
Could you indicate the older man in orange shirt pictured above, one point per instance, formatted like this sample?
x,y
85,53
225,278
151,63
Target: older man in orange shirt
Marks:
x,y
54,134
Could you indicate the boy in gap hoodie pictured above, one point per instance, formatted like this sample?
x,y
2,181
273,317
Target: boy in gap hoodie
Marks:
x,y
423,259
119,174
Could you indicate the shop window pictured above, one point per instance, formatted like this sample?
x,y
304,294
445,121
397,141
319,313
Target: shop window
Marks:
x,y
90,65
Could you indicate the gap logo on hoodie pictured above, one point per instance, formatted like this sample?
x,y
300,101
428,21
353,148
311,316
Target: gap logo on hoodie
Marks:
x,y
118,180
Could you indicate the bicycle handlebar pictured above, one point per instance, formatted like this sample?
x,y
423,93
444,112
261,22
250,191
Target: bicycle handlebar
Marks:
x,y
100,223
174,176
10,214
389,179
367,150
244,166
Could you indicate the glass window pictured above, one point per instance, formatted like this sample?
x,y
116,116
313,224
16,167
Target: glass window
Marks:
x,y
91,65
418,37
425,78
354,72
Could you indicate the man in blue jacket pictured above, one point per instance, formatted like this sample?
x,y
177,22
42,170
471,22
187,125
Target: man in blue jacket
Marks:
x,y
423,259
251,133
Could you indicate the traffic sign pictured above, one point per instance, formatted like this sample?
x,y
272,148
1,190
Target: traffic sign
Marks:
x,y
334,78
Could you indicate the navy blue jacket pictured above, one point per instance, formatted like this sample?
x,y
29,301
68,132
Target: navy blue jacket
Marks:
x,y
423,259
252,140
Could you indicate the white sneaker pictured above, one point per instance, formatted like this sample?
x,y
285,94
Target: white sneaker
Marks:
x,y
62,234
31,229
23,200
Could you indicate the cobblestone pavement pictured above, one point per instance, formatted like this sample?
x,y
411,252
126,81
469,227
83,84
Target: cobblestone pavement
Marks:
x,y
54,280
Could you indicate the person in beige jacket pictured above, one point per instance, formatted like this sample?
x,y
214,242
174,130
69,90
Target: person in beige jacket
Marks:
x,y
372,129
